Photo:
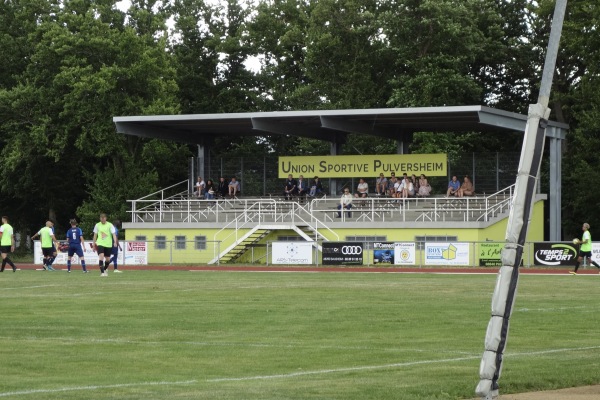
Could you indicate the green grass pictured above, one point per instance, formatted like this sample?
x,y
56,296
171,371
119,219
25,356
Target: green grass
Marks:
x,y
213,335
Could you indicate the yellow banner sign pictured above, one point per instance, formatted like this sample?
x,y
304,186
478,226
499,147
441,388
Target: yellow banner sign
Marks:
x,y
363,166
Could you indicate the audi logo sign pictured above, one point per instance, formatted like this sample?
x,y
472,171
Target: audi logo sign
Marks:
x,y
352,250
342,253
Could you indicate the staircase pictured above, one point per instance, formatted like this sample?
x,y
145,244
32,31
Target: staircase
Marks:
x,y
235,251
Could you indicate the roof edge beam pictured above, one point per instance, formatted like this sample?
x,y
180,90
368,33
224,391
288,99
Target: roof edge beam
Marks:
x,y
501,121
268,125
154,132
344,125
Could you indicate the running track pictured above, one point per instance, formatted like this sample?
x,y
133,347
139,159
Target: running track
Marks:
x,y
277,268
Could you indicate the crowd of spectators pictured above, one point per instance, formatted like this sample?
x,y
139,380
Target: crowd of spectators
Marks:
x,y
223,189
301,188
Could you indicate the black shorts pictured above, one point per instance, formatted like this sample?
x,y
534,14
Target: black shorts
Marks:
x,y
584,254
5,249
48,251
107,251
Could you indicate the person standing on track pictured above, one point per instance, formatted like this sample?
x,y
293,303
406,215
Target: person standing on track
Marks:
x,y
585,249
104,240
76,243
7,244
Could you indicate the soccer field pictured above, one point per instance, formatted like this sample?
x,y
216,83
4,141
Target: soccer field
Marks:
x,y
244,335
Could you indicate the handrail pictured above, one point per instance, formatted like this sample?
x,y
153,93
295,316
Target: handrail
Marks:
x,y
244,216
162,191
318,213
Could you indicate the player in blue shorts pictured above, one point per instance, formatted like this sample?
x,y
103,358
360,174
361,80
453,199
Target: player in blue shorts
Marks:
x,y
76,243
116,247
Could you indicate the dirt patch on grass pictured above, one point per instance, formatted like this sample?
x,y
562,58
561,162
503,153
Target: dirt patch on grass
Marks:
x,y
578,393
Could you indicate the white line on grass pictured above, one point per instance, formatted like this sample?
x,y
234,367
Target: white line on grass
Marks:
x,y
28,287
285,376
554,309
389,366
94,387
230,344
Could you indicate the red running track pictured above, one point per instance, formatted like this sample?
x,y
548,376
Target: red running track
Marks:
x,y
253,268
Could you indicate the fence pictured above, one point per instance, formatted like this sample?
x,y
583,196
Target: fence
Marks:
x,y
182,252
444,254
259,175
424,254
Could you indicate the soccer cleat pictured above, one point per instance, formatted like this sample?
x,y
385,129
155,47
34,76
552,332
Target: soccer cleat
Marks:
x,y
69,271
104,274
117,271
573,272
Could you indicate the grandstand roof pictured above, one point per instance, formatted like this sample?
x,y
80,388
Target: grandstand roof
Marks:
x,y
327,125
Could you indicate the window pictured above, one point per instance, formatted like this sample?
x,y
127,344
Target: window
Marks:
x,y
140,238
420,240
367,240
160,242
200,242
179,242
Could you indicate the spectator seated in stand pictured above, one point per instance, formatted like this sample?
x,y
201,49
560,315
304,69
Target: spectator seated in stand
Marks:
x,y
398,186
233,188
209,191
391,189
199,188
222,188
316,187
453,187
362,190
301,188
467,188
424,187
415,182
381,185
407,189
290,187
345,203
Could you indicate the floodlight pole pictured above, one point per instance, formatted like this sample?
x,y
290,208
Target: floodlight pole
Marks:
x,y
518,220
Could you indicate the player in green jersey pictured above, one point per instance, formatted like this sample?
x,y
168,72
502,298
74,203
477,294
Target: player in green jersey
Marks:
x,y
104,239
7,244
585,251
49,244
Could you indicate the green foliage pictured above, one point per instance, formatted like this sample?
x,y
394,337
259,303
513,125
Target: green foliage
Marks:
x,y
86,66
67,68
110,188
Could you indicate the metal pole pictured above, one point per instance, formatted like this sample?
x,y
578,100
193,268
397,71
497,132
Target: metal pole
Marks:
x,y
518,221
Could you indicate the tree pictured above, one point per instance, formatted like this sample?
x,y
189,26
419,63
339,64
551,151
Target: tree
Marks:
x,y
87,66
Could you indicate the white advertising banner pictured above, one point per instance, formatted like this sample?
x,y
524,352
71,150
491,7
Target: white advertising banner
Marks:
x,y
131,253
404,253
135,253
292,253
447,253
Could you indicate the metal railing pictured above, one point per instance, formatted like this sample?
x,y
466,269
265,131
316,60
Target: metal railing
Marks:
x,y
317,213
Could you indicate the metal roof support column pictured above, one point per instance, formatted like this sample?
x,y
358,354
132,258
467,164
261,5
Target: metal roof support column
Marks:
x,y
201,162
555,183
403,142
335,149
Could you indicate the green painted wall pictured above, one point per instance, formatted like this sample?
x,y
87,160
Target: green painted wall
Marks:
x,y
171,254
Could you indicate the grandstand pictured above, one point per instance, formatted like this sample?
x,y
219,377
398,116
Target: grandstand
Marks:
x,y
239,230
234,226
